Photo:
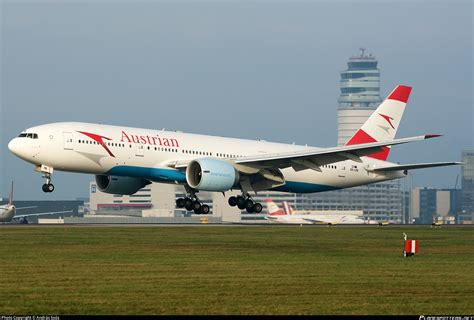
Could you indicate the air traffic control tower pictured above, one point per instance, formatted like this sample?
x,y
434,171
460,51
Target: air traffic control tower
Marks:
x,y
360,94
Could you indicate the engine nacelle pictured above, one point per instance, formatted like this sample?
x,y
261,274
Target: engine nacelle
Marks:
x,y
120,185
211,175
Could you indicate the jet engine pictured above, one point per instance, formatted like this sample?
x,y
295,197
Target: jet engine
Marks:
x,y
211,175
120,185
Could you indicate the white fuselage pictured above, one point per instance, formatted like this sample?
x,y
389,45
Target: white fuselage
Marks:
x,y
149,154
7,213
318,219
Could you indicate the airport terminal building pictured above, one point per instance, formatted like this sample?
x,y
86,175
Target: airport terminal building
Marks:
x,y
467,185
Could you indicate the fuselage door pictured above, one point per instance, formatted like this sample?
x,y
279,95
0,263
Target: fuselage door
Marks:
x,y
68,141
341,171
139,151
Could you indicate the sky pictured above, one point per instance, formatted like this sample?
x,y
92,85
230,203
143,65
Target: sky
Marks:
x,y
248,69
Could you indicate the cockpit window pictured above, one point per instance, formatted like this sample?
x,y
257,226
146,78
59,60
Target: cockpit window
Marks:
x,y
28,135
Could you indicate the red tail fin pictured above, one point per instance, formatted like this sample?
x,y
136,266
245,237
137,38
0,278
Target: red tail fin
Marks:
x,y
10,199
382,125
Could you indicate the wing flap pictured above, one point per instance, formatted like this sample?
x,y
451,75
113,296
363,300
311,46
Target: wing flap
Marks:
x,y
314,158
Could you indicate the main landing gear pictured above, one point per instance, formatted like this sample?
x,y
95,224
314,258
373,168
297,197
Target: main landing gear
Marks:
x,y
192,203
245,202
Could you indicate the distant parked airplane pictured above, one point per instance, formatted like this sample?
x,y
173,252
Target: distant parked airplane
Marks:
x,y
8,211
125,160
288,215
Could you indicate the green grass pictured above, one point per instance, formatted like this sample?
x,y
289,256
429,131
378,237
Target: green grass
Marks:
x,y
235,270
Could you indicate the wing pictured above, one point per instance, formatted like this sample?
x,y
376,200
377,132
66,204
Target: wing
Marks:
x,y
415,166
314,158
319,220
40,214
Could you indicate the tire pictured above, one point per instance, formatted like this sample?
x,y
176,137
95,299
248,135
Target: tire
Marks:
x,y
257,208
180,203
197,211
188,204
232,201
249,204
196,205
241,203
45,187
205,209
249,210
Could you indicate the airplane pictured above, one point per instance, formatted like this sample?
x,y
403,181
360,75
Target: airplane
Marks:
x,y
290,216
125,159
8,212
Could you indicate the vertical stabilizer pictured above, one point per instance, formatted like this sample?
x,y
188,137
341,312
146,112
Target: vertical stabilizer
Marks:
x,y
383,124
273,209
10,198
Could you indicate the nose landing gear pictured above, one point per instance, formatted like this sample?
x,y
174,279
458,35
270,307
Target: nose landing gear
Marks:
x,y
47,173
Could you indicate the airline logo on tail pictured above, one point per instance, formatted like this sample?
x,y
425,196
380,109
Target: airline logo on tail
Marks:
x,y
274,210
375,129
388,119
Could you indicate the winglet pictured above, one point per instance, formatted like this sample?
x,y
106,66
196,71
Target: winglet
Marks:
x,y
429,136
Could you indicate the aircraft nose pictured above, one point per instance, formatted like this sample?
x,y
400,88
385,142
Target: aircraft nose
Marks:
x,y
13,146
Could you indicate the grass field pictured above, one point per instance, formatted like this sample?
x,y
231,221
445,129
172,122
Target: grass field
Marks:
x,y
235,270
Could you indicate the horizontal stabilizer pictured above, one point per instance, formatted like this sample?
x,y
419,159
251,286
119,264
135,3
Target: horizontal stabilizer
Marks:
x,y
416,166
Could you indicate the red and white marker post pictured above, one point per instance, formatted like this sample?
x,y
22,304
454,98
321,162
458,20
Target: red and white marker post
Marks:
x,y
411,247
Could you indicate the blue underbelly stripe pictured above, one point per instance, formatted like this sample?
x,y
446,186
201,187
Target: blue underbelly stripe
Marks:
x,y
171,175
304,187
152,174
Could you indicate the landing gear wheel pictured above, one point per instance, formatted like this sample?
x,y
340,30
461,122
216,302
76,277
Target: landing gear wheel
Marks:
x,y
48,187
180,203
232,201
257,208
197,211
249,205
196,206
205,209
249,210
241,202
188,204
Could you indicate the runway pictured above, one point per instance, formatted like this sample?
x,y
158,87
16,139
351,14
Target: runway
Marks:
x,y
237,225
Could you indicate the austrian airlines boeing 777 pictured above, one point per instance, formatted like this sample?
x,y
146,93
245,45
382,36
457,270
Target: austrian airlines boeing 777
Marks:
x,y
125,160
